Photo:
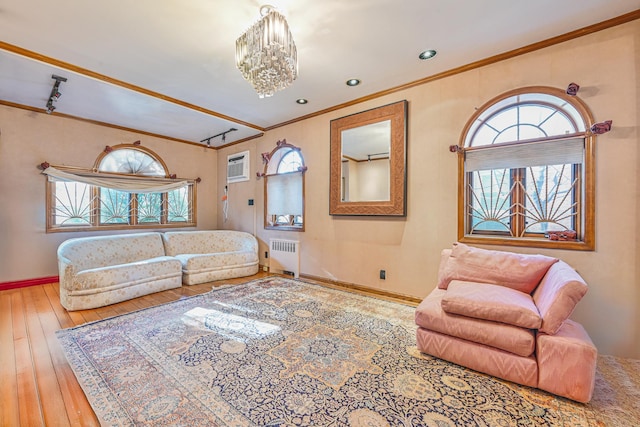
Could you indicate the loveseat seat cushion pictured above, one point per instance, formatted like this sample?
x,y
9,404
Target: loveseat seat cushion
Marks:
x,y
430,315
99,279
518,271
556,297
491,302
198,263
482,358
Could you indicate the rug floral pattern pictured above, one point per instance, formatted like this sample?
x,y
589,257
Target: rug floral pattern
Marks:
x,y
279,352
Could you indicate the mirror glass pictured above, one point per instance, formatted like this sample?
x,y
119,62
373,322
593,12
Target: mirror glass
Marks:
x,y
365,162
368,162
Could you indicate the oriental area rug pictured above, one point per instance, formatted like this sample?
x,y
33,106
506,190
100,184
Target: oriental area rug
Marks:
x,y
282,352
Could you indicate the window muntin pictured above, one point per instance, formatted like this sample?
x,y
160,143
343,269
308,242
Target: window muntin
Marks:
x,y
511,200
76,206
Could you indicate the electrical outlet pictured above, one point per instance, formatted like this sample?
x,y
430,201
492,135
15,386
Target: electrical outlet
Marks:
x,y
250,202
383,274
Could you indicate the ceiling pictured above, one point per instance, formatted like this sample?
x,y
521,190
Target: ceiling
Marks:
x,y
168,67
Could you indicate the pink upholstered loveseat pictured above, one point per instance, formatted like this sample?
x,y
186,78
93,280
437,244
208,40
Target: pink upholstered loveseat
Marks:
x,y
507,315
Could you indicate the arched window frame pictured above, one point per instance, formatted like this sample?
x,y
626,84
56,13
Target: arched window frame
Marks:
x,y
579,113
277,178
139,209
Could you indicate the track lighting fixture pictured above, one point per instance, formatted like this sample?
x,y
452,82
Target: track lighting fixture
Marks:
x,y
223,134
55,93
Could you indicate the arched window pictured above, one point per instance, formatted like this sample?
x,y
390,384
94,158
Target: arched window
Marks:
x,y
284,188
129,187
526,168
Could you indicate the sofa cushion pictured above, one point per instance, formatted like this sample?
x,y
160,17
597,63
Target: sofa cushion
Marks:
x,y
491,302
99,279
492,361
86,253
518,271
557,296
430,315
197,263
208,242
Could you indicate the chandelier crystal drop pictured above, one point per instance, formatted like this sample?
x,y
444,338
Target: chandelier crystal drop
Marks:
x,y
266,54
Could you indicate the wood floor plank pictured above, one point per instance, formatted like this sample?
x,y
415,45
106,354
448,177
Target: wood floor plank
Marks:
x,y
9,416
29,405
77,407
62,315
53,408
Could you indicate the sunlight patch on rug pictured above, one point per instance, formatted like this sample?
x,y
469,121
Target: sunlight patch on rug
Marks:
x,y
279,352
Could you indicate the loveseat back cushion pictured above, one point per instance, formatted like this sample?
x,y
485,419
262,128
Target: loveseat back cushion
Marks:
x,y
556,297
491,302
517,271
104,251
208,241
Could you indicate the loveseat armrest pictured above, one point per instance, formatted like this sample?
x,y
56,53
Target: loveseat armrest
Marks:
x,y
557,295
567,362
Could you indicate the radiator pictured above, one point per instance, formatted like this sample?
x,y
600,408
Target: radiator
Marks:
x,y
285,256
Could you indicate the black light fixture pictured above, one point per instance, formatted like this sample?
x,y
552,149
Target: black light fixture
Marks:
x,y
223,134
55,93
302,101
353,82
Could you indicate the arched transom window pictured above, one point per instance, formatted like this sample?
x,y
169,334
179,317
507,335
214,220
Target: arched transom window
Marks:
x,y
526,169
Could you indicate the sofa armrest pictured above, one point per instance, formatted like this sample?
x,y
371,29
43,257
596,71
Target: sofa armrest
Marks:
x,y
557,295
66,271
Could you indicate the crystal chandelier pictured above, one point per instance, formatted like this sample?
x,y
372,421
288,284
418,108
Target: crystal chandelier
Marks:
x,y
266,54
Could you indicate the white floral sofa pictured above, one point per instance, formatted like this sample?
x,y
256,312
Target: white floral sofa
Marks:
x,y
103,270
212,254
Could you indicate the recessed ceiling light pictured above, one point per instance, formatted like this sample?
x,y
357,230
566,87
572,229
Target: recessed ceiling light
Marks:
x,y
427,54
302,101
353,82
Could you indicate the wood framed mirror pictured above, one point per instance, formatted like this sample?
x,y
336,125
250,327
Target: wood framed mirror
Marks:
x,y
368,173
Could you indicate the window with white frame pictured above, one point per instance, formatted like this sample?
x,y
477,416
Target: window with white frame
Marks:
x,y
129,187
526,165
284,188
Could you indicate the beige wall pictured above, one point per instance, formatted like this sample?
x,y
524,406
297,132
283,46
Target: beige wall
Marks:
x,y
28,139
605,65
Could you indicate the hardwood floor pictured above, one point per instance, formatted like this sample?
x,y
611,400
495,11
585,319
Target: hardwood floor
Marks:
x,y
37,385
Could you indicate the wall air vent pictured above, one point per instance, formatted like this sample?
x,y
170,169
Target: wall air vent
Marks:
x,y
238,167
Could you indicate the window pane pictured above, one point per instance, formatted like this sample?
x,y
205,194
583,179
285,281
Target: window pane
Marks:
x,y
179,205
114,207
290,162
149,207
490,194
72,204
550,200
559,124
131,161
